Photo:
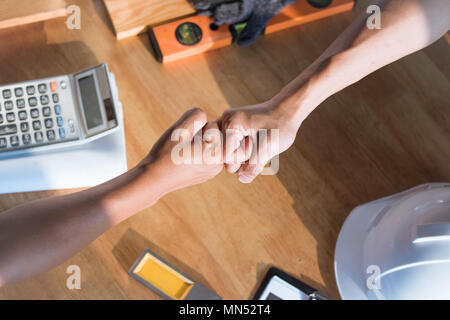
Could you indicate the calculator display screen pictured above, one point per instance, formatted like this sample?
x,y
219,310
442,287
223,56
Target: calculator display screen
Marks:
x,y
90,103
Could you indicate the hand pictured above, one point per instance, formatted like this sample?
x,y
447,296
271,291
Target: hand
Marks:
x,y
247,149
188,153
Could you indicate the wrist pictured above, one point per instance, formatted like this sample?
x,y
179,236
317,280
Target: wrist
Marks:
x,y
155,176
302,95
293,108
133,191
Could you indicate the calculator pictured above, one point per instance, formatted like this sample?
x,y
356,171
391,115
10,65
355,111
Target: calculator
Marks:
x,y
57,112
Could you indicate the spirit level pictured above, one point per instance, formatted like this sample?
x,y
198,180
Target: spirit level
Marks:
x,y
197,34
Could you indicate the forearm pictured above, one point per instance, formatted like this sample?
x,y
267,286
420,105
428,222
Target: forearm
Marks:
x,y
38,236
407,26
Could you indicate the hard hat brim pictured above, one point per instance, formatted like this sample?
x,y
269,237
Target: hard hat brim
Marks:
x,y
351,273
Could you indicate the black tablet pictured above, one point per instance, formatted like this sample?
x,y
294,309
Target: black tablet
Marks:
x,y
278,285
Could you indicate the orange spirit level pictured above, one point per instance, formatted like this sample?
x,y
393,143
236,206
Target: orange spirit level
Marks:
x,y
197,34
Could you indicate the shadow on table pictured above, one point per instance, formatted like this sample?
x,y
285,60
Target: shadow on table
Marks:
x,y
102,11
132,244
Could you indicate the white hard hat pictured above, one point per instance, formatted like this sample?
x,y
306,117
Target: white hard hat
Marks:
x,y
397,247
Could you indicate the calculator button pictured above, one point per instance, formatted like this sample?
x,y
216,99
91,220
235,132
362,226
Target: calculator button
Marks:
x,y
32,102
71,126
10,117
6,94
55,98
57,109
51,135
24,127
53,86
18,92
22,115
1,118
8,129
14,140
38,136
62,133
20,103
48,123
26,138
63,84
34,113
37,125
2,143
44,100
9,105
60,121
31,90
46,111
42,88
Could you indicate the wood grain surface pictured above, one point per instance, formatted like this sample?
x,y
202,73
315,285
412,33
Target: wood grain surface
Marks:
x,y
20,12
385,134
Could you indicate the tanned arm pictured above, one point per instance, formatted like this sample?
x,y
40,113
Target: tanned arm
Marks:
x,y
40,235
406,26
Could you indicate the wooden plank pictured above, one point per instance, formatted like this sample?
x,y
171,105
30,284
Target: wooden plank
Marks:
x,y
20,12
131,17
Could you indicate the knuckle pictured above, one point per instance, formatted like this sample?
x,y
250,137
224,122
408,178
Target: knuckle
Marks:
x,y
233,118
197,113
231,168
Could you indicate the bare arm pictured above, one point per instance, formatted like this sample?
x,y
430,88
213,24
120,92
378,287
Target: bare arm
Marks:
x,y
406,26
40,235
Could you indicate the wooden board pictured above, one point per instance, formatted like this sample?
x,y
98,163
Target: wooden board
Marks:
x,y
20,12
382,135
131,17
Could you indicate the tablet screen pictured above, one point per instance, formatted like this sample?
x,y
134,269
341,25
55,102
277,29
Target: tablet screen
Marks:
x,y
279,289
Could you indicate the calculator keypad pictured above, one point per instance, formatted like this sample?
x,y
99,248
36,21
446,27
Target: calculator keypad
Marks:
x,y
42,88
20,103
44,100
32,101
33,114
9,105
7,94
31,90
23,115
18,92
24,127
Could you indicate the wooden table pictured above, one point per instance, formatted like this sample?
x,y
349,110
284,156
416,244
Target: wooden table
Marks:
x,y
387,133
